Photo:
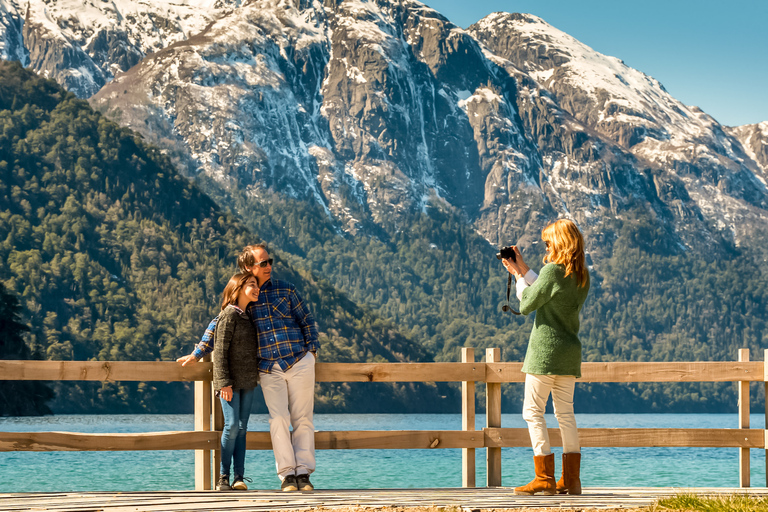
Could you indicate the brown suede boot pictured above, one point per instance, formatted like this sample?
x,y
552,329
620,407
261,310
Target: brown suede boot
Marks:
x,y
544,483
570,483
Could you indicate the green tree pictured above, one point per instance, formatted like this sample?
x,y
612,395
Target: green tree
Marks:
x,y
18,398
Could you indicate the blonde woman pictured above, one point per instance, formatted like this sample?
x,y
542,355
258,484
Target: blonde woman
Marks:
x,y
553,358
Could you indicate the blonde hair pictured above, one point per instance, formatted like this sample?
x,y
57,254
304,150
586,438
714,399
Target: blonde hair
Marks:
x,y
566,247
232,290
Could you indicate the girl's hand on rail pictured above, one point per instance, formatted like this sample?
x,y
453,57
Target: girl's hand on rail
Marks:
x,y
188,359
226,393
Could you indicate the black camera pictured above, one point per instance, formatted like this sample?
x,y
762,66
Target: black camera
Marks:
x,y
506,253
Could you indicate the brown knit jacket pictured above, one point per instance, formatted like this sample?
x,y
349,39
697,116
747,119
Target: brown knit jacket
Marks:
x,y
235,351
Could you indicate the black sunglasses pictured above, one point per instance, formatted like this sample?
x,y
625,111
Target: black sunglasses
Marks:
x,y
264,263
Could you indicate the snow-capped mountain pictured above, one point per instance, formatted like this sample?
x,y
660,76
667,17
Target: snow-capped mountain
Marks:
x,y
716,178
11,38
375,108
368,108
83,44
754,140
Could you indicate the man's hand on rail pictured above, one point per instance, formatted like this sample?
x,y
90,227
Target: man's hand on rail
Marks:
x,y
187,359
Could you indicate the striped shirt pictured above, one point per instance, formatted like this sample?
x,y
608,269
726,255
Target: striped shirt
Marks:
x,y
284,325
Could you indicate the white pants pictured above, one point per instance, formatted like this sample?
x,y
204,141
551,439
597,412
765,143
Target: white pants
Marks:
x,y
537,390
290,398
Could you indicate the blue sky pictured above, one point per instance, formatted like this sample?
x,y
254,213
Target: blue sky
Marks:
x,y
710,54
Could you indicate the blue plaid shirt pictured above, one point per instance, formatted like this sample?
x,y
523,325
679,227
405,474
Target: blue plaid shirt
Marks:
x,y
205,346
285,327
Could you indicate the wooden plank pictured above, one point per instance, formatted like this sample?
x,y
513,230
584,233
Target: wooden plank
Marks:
x,y
471,499
399,372
218,426
637,437
107,371
203,399
765,399
169,371
380,439
74,441
743,422
493,437
493,419
468,466
703,371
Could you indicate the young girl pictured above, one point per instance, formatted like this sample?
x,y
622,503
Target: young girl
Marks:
x,y
235,373
553,359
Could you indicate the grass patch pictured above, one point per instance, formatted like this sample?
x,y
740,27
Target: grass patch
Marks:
x,y
723,503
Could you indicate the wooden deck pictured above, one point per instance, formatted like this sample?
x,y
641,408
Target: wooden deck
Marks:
x,y
466,499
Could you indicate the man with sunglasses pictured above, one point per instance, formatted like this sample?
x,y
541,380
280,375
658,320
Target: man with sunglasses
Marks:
x,y
288,345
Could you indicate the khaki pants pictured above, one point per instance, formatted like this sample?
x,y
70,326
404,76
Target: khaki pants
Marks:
x,y
537,390
290,398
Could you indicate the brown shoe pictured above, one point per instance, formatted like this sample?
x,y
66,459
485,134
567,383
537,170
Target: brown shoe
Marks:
x,y
544,483
570,483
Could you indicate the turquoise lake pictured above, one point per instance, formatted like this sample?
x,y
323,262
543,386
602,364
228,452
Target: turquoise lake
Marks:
x,y
354,469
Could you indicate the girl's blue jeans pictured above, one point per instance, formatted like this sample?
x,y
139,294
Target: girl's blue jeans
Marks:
x,y
236,414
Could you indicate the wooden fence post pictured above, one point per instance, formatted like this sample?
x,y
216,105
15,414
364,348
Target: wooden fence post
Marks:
x,y
468,421
744,422
218,426
493,420
765,384
203,422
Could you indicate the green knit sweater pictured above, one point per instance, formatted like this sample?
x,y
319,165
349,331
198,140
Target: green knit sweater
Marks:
x,y
554,347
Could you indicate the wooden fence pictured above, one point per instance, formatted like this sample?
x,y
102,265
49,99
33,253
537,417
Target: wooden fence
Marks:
x,y
208,421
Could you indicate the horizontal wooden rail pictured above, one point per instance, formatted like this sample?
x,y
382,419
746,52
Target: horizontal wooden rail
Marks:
x,y
209,440
637,437
168,371
400,372
381,439
105,371
75,441
701,371
389,439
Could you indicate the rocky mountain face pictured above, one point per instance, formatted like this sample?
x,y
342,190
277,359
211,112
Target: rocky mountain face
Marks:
x,y
754,140
709,178
373,109
84,44
11,38
358,106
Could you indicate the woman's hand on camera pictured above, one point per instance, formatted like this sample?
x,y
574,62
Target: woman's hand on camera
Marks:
x,y
511,267
518,267
521,266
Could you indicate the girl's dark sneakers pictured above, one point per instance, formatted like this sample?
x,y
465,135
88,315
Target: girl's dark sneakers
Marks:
x,y
239,483
223,484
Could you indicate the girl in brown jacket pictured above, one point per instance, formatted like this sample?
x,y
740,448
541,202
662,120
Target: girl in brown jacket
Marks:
x,y
235,373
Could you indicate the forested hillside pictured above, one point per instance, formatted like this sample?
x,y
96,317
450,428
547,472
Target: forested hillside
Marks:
x,y
115,256
18,398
